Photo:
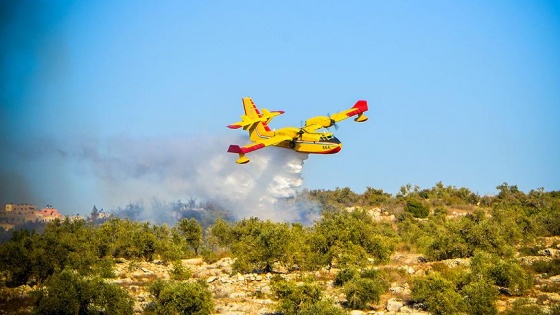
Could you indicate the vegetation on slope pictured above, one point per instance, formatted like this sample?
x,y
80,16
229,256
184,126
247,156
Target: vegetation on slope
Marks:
x,y
439,223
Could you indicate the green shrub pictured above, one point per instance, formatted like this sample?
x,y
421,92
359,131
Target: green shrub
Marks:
x,y
480,297
439,211
438,294
344,276
180,298
551,268
370,274
503,273
306,298
523,307
69,293
104,268
416,208
360,292
180,272
447,246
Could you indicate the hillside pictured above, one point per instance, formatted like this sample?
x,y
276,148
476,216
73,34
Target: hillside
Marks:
x,y
443,250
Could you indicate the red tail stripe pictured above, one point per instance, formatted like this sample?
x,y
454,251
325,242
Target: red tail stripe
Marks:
x,y
242,150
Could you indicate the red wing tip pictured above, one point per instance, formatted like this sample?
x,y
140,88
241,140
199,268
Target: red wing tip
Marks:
x,y
234,126
234,149
279,111
361,105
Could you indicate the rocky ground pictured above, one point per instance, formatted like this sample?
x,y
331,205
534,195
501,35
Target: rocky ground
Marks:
x,y
252,294
249,293
237,294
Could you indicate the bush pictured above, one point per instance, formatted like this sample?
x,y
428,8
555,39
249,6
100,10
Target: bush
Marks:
x,y
344,276
180,298
180,272
302,299
360,292
438,294
68,293
439,211
416,208
504,273
551,268
522,307
480,297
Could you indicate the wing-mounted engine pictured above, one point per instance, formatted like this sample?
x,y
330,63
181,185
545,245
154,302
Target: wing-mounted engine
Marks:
x,y
318,122
323,121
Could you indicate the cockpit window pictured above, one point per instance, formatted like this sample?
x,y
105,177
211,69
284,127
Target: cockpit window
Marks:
x,y
332,139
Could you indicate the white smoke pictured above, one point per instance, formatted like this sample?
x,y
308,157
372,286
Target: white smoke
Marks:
x,y
197,167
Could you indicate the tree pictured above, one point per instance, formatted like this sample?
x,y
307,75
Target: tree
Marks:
x,y
94,214
221,234
349,237
192,232
259,244
15,257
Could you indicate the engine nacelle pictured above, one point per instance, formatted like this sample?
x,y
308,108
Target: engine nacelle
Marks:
x,y
323,121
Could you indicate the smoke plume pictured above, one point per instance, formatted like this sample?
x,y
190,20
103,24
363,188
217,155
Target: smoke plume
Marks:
x,y
143,170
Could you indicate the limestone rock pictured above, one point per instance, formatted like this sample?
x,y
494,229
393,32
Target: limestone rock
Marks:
x,y
394,305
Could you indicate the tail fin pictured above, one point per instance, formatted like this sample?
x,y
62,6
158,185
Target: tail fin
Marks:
x,y
259,130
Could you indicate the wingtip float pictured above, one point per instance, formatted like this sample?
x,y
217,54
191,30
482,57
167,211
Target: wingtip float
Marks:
x,y
306,139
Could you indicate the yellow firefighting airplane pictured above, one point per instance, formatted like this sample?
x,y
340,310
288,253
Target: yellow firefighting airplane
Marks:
x,y
305,139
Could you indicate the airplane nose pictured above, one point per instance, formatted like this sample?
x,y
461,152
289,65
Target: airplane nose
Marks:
x,y
338,148
335,149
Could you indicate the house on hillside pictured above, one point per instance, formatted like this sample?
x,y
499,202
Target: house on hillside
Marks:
x,y
49,214
14,214
18,214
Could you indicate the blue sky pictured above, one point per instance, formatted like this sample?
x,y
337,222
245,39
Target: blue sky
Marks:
x,y
464,92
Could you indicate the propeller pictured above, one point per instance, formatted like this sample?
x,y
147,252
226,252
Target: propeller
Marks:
x,y
301,131
333,122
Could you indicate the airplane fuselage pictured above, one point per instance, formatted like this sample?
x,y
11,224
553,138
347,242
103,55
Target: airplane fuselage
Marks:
x,y
313,143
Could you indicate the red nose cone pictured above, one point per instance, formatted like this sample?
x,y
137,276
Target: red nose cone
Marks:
x,y
333,150
336,150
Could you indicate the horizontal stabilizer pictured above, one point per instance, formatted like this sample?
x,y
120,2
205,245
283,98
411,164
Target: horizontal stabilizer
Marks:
x,y
242,150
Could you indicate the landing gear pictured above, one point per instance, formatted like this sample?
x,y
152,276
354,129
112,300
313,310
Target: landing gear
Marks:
x,y
292,144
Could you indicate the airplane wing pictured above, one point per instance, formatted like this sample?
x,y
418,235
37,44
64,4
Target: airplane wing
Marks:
x,y
318,122
255,146
358,109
